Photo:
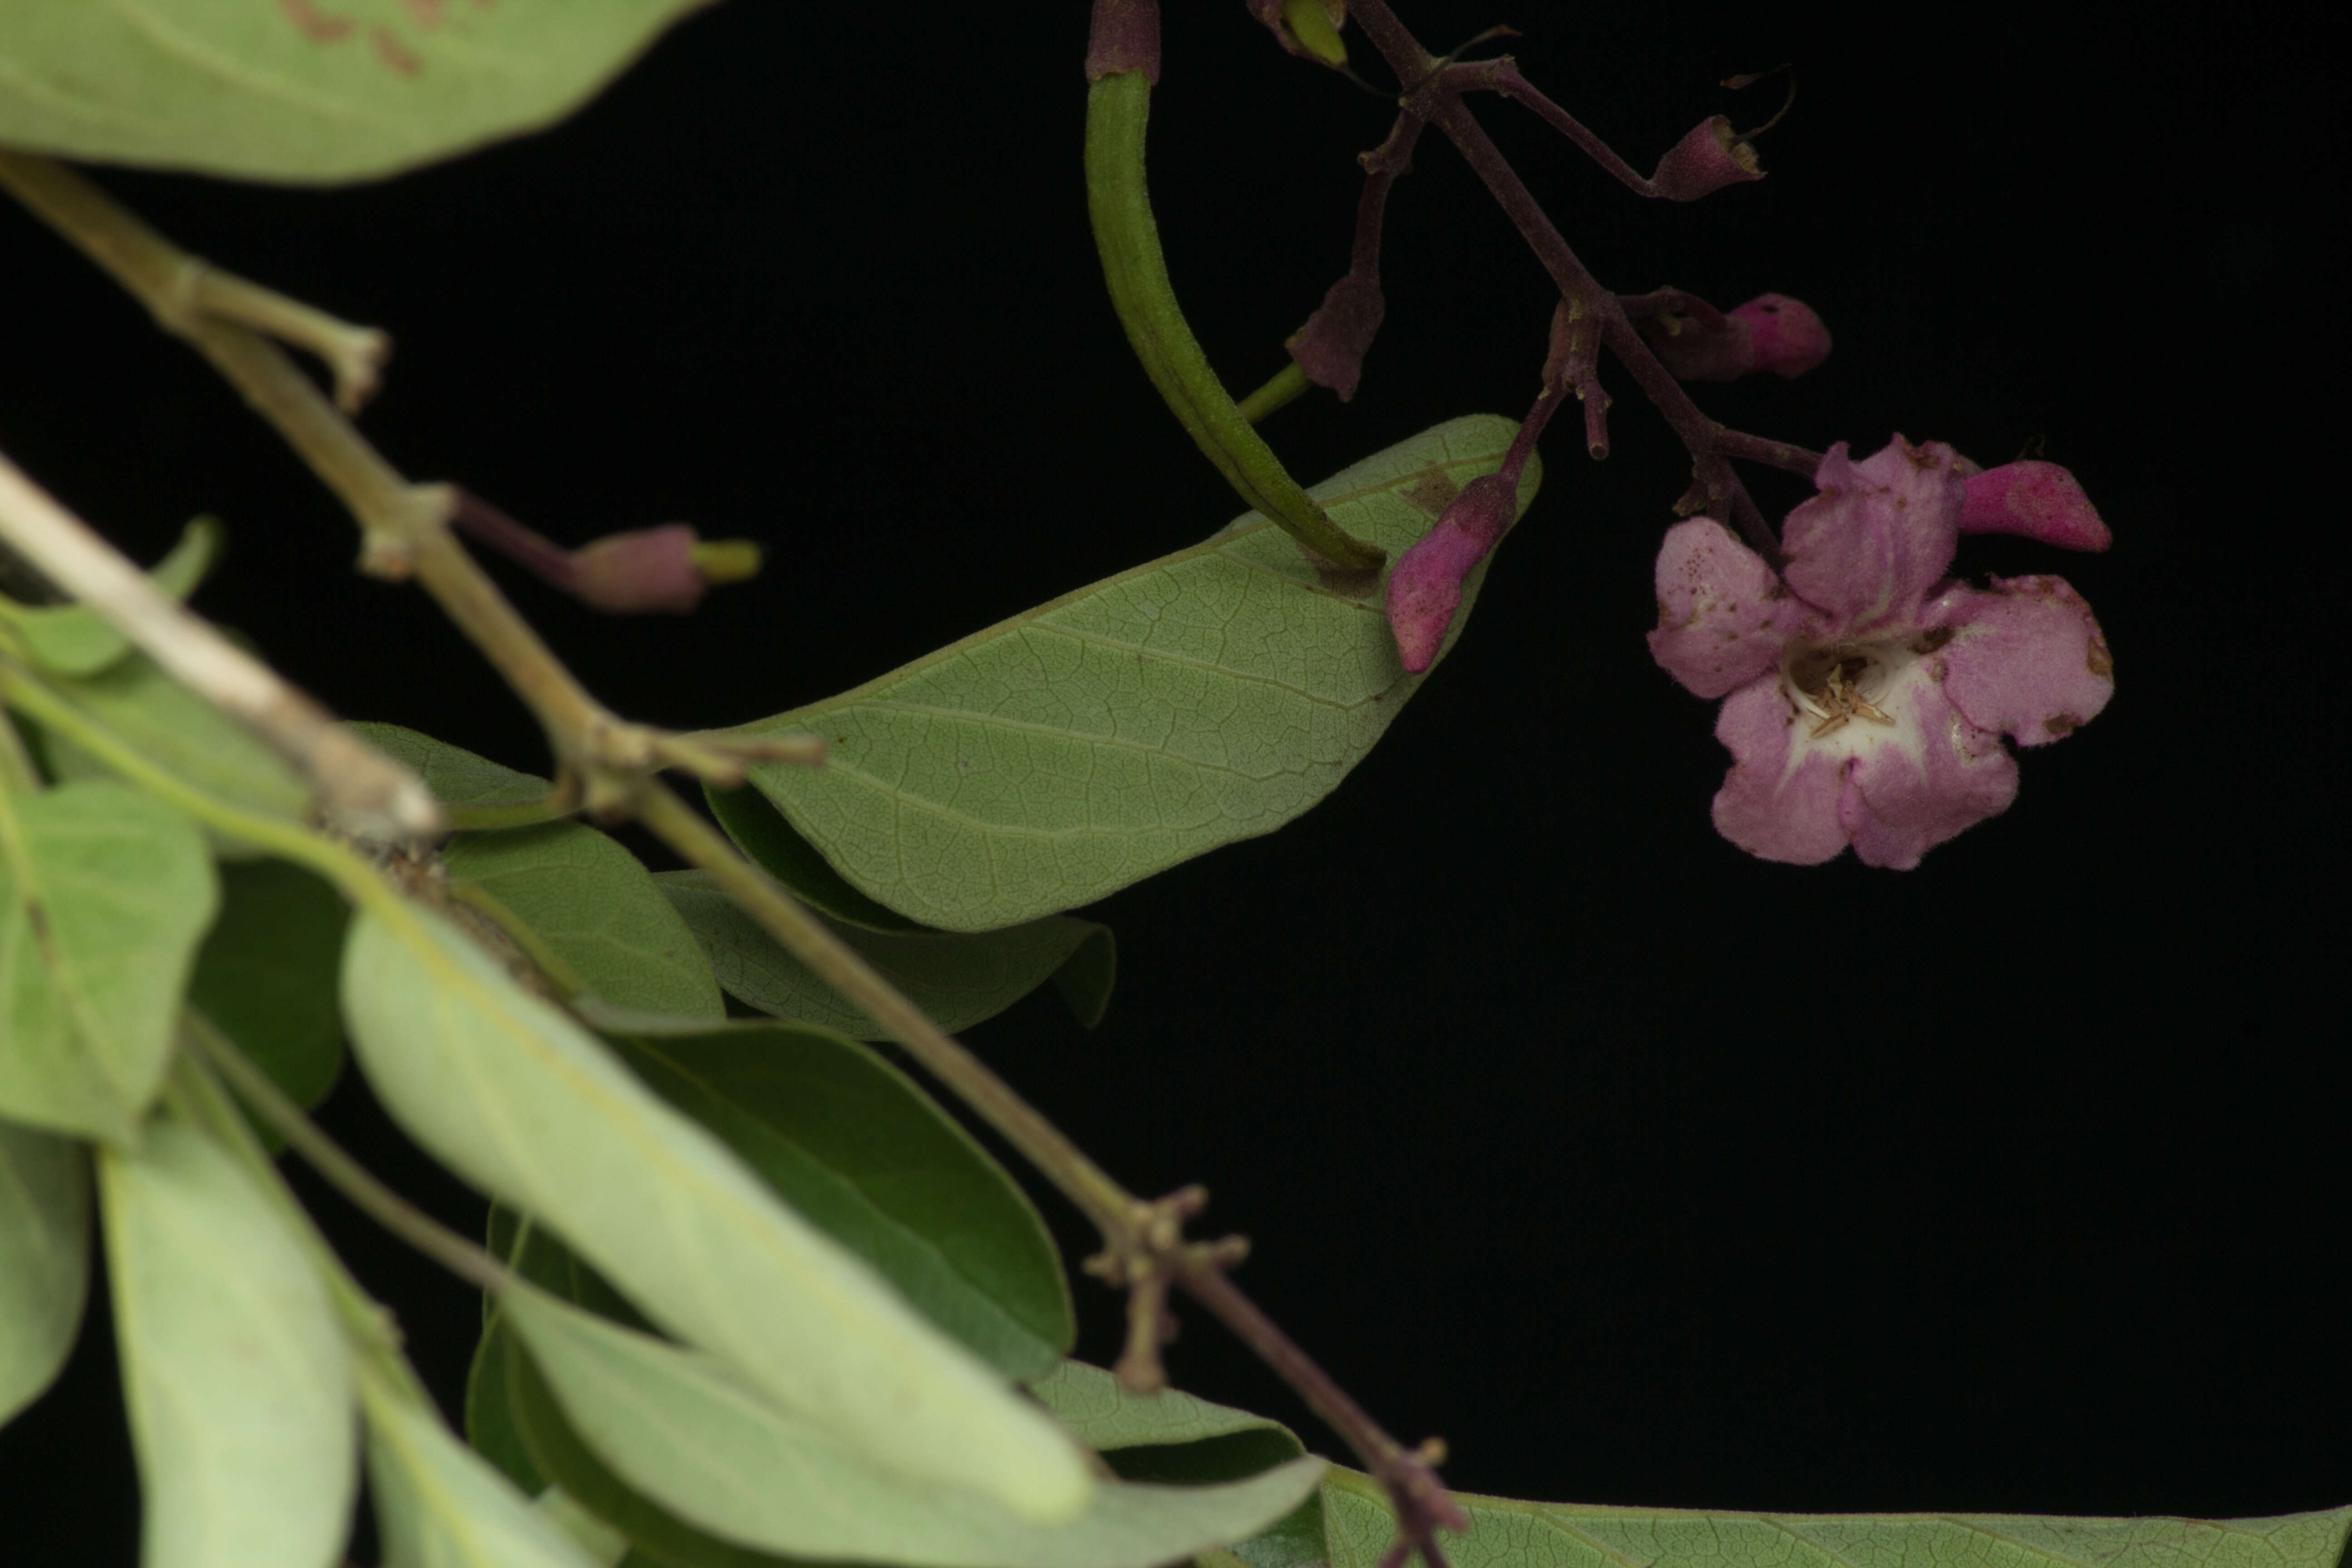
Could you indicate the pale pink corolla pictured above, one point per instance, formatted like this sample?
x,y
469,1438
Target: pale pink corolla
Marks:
x,y
1865,692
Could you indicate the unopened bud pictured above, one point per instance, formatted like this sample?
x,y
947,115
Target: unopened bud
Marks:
x,y
1704,162
1310,28
1425,587
2040,500
651,571
1771,332
1788,338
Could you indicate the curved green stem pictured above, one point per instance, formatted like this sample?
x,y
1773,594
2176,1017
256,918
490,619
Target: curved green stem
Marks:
x,y
1118,108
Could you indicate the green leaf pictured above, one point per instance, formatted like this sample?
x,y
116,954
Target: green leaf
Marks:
x,y
597,910
958,978
676,1429
161,721
1174,1438
490,1414
440,1506
265,975
864,1155
1105,1417
1210,696
44,1260
103,894
304,90
516,1098
1578,1535
455,775
74,639
760,831
234,1367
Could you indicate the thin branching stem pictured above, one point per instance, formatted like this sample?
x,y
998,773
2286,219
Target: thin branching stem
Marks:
x,y
1439,100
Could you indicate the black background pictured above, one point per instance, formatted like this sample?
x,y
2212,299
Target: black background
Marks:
x,y
1644,1171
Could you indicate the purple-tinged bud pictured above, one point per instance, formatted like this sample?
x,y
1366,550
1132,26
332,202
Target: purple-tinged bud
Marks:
x,y
1124,37
1695,348
2040,500
1307,29
1331,347
1711,157
1426,586
1788,339
656,570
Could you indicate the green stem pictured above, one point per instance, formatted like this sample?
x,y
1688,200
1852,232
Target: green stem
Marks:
x,y
1118,108
1284,386
340,1172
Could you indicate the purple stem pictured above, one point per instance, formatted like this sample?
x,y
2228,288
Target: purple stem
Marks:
x,y
1503,77
1443,107
480,520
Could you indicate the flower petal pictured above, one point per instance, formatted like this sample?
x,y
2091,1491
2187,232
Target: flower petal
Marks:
x,y
2027,658
1878,538
1723,617
1900,802
1780,799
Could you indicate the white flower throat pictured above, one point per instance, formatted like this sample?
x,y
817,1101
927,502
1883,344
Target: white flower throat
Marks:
x,y
1845,682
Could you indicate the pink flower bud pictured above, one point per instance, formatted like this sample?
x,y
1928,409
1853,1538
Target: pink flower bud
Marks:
x,y
1704,162
2041,500
652,570
1788,338
1425,587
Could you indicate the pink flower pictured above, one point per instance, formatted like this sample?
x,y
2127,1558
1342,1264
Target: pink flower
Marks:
x,y
1866,692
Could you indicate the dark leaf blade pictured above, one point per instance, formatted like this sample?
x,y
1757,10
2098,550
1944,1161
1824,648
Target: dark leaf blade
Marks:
x,y
591,902
268,973
957,978
856,1148
455,775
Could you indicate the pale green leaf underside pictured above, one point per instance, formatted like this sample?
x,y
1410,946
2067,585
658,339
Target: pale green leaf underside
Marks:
x,y
441,1505
673,1425
304,90
594,905
234,1367
74,639
1572,1535
516,1098
957,978
43,1259
1210,696
104,892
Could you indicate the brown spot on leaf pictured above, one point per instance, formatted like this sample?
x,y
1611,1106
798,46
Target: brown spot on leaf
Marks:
x,y
425,14
394,53
1433,492
319,26
2060,724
